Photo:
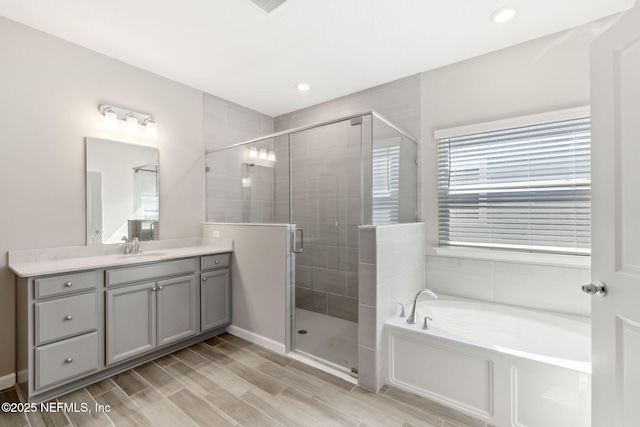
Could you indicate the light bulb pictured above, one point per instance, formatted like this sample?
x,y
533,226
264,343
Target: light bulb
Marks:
x,y
110,120
272,156
262,154
131,125
253,152
152,130
503,14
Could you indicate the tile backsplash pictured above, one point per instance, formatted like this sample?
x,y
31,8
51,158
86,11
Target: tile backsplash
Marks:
x,y
540,287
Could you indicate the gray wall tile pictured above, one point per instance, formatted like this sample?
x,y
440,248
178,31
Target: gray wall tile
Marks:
x,y
312,300
343,307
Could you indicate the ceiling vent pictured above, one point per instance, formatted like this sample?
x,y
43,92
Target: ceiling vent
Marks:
x,y
268,5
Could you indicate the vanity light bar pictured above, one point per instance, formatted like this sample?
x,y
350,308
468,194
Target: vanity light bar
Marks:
x,y
133,120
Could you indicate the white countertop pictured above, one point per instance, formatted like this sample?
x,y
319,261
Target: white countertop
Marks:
x,y
34,263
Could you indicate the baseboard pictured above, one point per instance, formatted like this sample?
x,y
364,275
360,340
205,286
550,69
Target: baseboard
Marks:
x,y
257,339
7,381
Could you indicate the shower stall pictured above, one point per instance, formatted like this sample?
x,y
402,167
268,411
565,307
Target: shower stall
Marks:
x,y
327,180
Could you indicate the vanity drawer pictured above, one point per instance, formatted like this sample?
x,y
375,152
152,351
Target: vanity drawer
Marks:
x,y
65,317
65,284
118,276
214,261
66,359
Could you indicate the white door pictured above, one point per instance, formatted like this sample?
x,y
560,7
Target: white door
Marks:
x,y
94,208
615,113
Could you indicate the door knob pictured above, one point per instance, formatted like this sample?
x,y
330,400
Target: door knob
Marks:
x,y
595,288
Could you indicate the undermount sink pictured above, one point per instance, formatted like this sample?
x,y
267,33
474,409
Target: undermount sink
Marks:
x,y
143,255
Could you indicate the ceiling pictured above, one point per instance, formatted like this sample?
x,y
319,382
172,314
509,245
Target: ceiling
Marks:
x,y
234,50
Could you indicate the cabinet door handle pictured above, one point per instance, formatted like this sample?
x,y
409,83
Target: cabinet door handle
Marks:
x,y
204,279
68,284
68,317
153,289
68,360
160,288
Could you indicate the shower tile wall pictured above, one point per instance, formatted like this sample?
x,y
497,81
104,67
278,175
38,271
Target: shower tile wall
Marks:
x,y
227,199
326,204
328,185
391,271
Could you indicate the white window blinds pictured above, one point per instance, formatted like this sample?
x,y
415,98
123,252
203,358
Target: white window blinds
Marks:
x,y
523,188
385,184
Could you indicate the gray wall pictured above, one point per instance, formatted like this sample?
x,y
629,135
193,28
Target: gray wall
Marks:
x,y
398,101
51,90
261,306
546,74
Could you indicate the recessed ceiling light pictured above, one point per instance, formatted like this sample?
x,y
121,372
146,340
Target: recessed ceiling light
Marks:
x,y
504,14
303,87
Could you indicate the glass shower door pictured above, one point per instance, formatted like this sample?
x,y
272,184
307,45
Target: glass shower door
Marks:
x,y
326,203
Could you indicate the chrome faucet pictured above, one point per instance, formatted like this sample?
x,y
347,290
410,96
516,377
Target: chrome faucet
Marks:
x,y
413,317
136,246
127,245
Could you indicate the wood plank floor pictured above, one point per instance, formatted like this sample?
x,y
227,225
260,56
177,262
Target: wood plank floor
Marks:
x,y
227,381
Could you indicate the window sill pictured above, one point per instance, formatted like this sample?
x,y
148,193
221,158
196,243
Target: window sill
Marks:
x,y
516,257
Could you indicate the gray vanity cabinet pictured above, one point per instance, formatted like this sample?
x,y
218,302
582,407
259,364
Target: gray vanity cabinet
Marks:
x,y
148,315
131,321
143,316
215,291
77,327
58,330
177,309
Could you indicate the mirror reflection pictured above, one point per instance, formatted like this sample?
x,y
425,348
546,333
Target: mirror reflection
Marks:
x,y
122,191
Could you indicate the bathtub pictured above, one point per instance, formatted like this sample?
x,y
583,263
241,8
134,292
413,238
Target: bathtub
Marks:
x,y
505,365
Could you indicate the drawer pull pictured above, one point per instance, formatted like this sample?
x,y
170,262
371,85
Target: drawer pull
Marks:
x,y
68,360
68,317
68,284
217,261
204,279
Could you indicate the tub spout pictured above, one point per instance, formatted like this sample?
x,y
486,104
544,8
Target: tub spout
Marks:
x,y
413,317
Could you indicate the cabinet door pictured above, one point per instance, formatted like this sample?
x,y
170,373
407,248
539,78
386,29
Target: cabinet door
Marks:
x,y
177,309
131,321
215,299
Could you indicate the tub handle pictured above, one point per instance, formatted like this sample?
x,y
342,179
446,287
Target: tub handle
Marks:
x,y
401,309
425,325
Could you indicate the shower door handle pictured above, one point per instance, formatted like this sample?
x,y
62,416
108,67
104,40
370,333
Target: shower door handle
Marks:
x,y
295,249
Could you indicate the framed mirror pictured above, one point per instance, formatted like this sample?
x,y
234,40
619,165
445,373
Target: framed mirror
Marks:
x,y
123,192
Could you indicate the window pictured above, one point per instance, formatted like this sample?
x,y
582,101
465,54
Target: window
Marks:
x,y
386,184
513,186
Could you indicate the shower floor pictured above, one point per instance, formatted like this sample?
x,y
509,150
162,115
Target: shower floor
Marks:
x,y
329,338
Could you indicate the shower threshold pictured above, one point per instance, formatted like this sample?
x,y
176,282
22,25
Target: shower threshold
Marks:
x,y
323,365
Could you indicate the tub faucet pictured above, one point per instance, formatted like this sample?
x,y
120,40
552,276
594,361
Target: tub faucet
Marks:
x,y
413,317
